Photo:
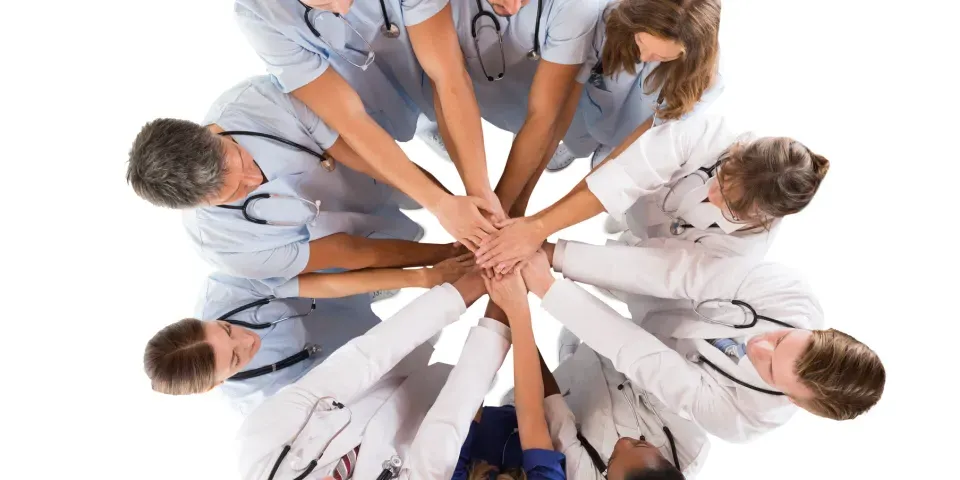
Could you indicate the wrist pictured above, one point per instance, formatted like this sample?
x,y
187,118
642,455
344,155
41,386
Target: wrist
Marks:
x,y
541,225
434,199
542,285
549,249
425,277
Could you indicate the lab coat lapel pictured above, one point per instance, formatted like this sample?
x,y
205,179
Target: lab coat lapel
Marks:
x,y
585,390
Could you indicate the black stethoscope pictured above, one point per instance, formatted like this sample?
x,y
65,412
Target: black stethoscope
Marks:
x,y
678,225
294,359
388,29
749,312
326,161
533,54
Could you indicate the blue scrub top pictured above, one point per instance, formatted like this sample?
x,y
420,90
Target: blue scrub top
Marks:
x,y
495,440
611,107
350,202
294,56
334,323
566,29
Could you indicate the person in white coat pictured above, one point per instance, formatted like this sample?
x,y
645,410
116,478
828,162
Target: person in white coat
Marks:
x,y
255,341
734,343
375,408
700,179
268,191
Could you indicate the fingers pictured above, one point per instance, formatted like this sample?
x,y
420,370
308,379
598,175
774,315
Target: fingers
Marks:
x,y
471,242
506,222
483,225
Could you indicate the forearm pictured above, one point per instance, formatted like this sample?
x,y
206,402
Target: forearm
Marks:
x,y
550,386
356,253
461,128
343,153
529,383
345,284
578,205
405,253
525,157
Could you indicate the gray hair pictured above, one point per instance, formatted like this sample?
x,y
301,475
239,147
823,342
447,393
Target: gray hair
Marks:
x,y
175,163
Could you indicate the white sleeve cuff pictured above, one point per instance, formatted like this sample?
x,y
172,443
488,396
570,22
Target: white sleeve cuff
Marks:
x,y
496,327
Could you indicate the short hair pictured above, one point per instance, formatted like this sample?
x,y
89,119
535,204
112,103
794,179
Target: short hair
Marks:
x,y
662,471
777,175
846,377
175,163
179,360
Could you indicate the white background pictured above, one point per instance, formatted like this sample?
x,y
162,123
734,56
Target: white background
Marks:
x,y
90,271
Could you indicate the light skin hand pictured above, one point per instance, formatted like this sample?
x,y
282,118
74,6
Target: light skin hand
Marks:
x,y
462,218
537,275
509,292
449,270
517,239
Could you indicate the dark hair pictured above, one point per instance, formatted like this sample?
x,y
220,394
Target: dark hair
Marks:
x,y
175,163
694,24
662,471
846,377
179,361
776,175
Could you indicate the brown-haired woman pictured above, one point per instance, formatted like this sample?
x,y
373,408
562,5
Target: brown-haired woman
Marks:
x,y
651,61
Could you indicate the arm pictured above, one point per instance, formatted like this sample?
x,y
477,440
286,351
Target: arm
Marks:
x,y
351,252
343,153
551,87
446,425
345,284
351,370
646,361
337,104
563,433
437,48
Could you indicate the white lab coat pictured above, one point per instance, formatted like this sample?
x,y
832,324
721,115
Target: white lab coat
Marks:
x,y
632,186
663,355
386,392
594,404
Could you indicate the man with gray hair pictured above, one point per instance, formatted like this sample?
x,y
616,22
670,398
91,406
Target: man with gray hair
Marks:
x,y
268,191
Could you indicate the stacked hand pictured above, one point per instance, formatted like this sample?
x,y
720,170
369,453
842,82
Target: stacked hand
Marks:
x,y
450,270
461,217
508,292
516,240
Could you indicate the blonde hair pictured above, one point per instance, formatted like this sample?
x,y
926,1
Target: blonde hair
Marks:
x,y
846,377
694,24
480,470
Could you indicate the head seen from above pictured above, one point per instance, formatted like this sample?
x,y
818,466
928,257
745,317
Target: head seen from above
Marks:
x,y
180,164
682,35
634,459
826,372
193,356
507,8
765,179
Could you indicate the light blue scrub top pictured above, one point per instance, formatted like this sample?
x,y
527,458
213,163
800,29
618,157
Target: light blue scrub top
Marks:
x,y
294,56
612,107
566,29
351,202
332,324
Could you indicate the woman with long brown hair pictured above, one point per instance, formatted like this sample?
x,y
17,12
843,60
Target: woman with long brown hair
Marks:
x,y
651,61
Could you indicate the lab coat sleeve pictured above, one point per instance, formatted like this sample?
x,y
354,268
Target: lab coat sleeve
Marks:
x,y
569,31
434,451
659,271
349,371
645,360
291,65
646,165
419,11
563,431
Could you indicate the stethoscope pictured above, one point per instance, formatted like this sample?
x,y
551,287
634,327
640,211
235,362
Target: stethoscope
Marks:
x,y
533,54
678,225
294,359
596,79
390,466
597,460
326,161
749,312
388,29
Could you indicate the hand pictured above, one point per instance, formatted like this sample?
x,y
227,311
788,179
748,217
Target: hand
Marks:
x,y
517,239
461,217
536,274
497,214
335,6
449,270
508,292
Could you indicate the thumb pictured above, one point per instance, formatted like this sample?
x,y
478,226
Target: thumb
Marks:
x,y
484,204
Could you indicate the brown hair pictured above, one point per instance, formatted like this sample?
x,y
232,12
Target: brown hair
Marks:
x,y
480,470
846,377
179,361
778,176
694,24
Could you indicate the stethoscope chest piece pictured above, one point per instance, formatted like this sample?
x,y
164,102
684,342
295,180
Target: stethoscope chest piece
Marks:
x,y
533,55
390,30
678,226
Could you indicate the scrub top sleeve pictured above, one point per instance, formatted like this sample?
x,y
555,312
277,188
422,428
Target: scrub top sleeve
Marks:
x,y
419,11
288,289
544,464
291,65
570,32
282,262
